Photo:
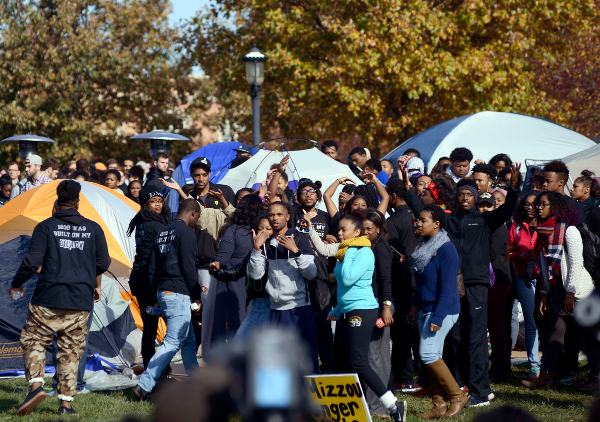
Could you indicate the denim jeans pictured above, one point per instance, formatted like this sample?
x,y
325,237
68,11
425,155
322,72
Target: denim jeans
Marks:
x,y
527,299
176,311
258,316
431,345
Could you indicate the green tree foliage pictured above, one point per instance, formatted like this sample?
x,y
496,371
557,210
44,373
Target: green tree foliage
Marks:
x,y
382,71
77,70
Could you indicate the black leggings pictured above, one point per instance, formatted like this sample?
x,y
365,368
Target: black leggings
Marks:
x,y
354,330
150,324
563,336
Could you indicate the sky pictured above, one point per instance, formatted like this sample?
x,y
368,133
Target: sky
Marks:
x,y
185,9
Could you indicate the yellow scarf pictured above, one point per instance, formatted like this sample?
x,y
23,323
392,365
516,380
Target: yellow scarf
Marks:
x,y
357,242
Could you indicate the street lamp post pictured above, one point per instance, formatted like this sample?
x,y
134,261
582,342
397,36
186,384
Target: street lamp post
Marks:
x,y
255,75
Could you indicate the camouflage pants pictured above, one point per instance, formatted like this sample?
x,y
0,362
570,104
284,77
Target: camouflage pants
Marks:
x,y
71,328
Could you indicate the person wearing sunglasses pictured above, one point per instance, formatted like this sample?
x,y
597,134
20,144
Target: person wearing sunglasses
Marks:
x,y
153,216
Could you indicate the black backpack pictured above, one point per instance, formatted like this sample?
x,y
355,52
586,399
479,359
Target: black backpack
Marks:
x,y
591,252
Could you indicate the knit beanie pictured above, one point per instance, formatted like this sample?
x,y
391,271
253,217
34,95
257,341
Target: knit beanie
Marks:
x,y
149,192
415,165
470,189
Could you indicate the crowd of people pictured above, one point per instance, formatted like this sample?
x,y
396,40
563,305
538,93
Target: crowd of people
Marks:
x,y
436,262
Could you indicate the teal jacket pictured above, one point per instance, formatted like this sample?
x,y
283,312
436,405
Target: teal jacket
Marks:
x,y
354,277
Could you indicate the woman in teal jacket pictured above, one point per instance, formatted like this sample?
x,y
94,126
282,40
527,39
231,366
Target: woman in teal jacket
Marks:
x,y
357,310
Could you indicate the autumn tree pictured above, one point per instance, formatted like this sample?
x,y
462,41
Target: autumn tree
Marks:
x,y
78,70
381,71
571,78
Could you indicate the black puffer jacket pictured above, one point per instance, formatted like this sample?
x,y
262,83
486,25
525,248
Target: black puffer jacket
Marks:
x,y
471,233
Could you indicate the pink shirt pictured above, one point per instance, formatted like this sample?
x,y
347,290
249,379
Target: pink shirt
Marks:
x,y
523,241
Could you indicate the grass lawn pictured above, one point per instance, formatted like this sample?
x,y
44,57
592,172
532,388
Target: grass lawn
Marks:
x,y
557,405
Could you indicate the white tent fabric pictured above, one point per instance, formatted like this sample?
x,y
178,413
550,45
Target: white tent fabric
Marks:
x,y
308,163
126,345
588,159
489,133
110,307
116,216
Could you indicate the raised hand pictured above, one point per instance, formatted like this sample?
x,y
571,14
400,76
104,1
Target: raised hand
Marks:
x,y
345,181
171,184
215,194
344,198
405,179
283,164
515,169
369,178
308,216
402,160
259,239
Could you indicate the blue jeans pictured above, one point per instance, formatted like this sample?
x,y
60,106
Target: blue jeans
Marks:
x,y
176,311
431,344
527,299
258,316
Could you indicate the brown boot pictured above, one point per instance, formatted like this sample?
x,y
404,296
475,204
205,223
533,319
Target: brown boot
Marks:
x,y
546,379
439,404
458,398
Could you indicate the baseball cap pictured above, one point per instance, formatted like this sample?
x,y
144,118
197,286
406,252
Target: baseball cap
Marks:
x,y
100,166
244,148
33,159
486,197
200,162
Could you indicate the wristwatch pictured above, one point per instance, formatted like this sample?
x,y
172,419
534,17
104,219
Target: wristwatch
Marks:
x,y
297,254
387,302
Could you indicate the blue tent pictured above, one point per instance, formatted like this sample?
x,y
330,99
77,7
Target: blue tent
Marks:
x,y
220,154
13,313
489,133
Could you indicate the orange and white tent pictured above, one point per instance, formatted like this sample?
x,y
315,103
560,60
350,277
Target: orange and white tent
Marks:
x,y
112,211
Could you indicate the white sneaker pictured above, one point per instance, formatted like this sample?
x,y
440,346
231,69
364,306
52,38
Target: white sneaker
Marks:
x,y
491,397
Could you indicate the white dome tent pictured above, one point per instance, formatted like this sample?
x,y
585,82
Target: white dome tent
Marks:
x,y
489,133
309,163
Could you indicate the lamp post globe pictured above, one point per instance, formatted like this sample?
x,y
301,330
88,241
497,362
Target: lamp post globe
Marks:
x,y
255,76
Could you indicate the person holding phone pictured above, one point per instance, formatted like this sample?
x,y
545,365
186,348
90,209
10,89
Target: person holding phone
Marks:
x,y
436,306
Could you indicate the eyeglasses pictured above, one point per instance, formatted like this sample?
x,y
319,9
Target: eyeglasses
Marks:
x,y
543,205
307,191
528,205
157,201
